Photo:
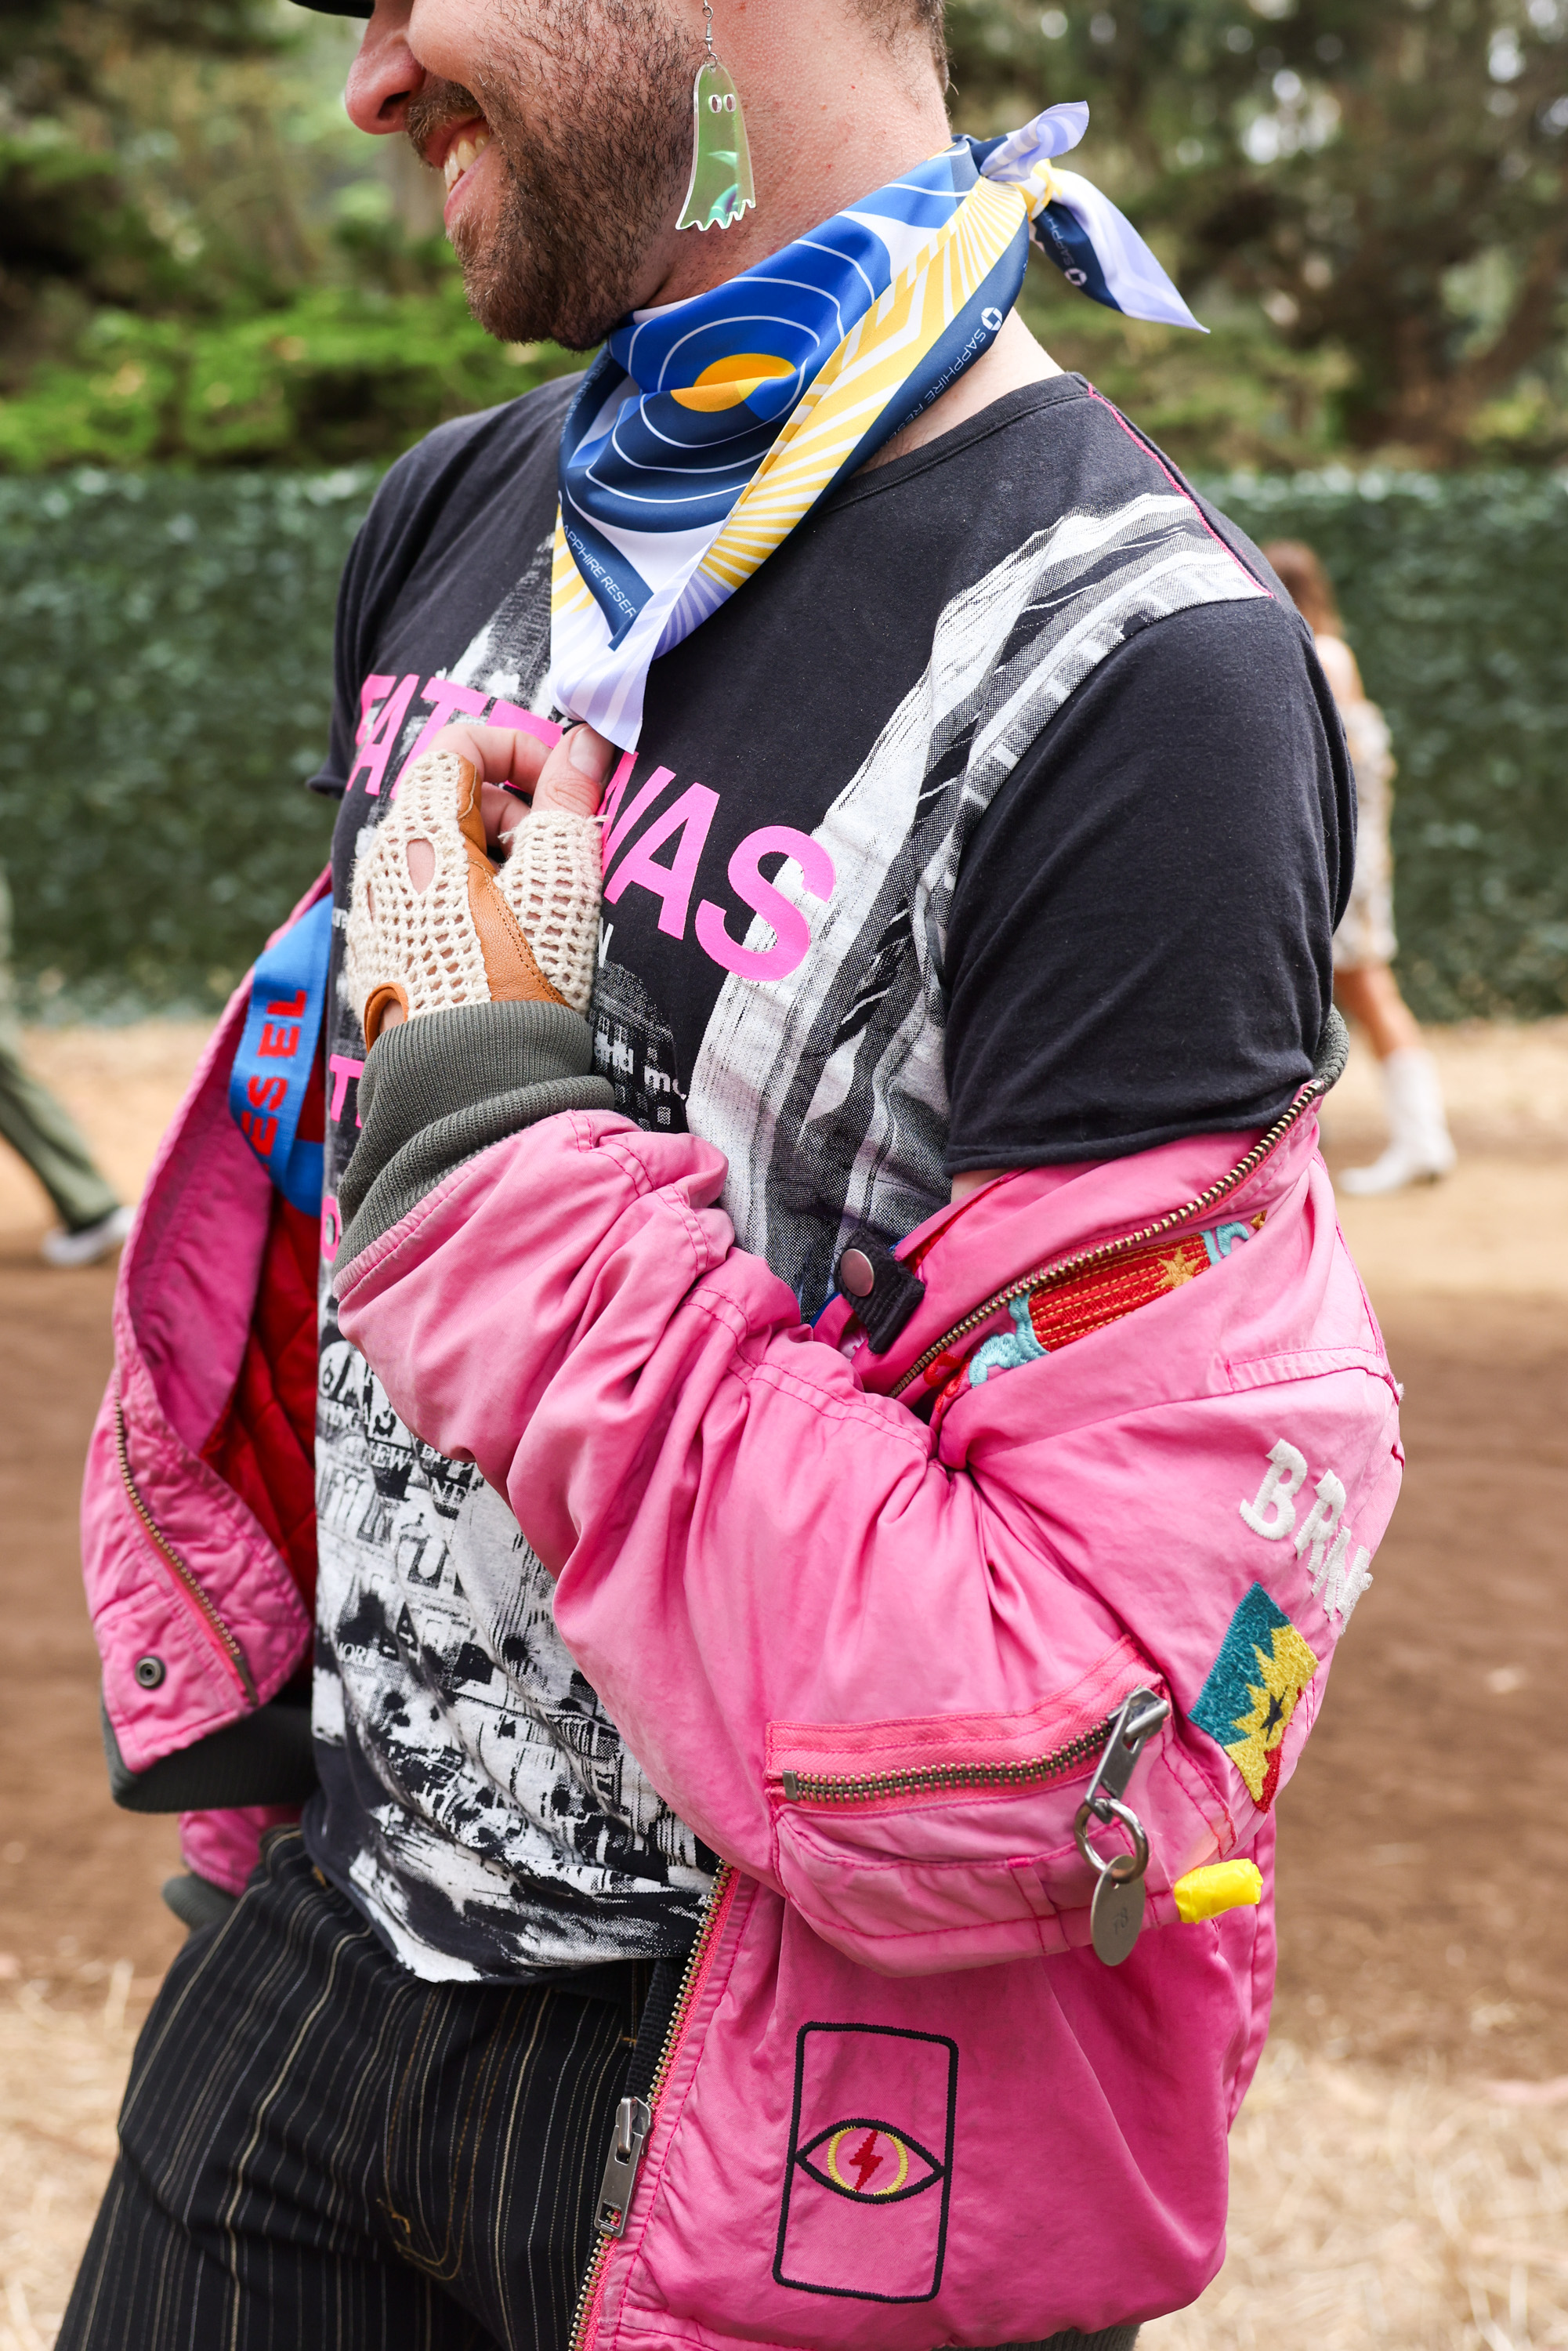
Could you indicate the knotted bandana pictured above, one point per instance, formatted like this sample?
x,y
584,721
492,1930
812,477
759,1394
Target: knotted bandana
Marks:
x,y
707,429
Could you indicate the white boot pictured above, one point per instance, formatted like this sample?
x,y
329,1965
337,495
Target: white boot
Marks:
x,y
1421,1148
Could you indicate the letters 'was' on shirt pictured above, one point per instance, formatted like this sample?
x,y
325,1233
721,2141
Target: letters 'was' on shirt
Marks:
x,y
1002,818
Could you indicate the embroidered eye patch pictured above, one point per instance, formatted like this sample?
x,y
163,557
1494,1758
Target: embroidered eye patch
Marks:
x,y
871,2139
870,2158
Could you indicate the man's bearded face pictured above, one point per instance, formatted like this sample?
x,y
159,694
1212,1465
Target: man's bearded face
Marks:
x,y
566,153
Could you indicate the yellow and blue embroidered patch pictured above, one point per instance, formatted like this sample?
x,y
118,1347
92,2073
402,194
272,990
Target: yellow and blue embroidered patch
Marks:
x,y
1253,1690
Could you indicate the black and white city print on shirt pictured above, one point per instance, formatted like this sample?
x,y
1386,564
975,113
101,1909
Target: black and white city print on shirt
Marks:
x,y
1001,819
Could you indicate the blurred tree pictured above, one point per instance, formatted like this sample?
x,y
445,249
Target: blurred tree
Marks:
x,y
1387,179
89,126
200,263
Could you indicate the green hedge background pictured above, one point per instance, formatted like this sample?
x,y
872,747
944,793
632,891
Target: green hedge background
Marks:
x,y
166,674
165,667
1455,595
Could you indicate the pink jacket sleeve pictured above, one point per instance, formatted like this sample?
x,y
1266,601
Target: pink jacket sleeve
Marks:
x,y
764,1565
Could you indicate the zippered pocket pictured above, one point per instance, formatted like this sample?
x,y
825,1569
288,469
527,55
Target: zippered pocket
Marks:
x,y
946,1841
910,1782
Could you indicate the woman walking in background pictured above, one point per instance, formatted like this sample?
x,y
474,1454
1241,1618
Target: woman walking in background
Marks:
x,y
1420,1146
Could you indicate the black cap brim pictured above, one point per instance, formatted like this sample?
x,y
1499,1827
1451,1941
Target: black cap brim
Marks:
x,y
339,7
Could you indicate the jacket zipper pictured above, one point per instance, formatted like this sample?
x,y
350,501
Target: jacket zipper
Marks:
x,y
1091,1261
585,2322
927,1779
218,1631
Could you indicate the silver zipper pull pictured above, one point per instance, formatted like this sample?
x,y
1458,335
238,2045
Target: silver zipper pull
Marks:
x,y
1116,1914
1142,1714
633,2121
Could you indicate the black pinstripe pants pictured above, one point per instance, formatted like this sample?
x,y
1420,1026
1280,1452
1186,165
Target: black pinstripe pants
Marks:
x,y
320,2152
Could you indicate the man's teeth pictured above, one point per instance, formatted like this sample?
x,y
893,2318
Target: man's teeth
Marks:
x,y
461,153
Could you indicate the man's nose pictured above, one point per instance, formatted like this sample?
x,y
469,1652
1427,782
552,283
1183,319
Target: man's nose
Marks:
x,y
386,74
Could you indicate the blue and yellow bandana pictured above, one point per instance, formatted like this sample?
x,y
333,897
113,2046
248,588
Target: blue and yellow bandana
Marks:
x,y
707,429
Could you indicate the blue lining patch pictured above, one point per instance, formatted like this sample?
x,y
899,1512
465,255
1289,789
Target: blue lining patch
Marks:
x,y
277,1052
1009,1350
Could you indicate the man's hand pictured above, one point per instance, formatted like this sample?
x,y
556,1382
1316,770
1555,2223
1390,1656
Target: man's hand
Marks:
x,y
466,893
569,777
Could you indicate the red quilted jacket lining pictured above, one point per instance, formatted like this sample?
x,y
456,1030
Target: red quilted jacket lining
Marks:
x,y
263,1445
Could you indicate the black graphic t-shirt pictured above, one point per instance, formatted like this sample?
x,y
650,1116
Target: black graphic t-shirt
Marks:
x,y
1003,818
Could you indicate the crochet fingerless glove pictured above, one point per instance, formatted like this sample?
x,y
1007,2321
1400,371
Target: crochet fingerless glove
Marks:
x,y
492,969
432,924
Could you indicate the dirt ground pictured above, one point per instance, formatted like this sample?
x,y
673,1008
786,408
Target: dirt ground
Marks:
x,y
78,1880
1424,1842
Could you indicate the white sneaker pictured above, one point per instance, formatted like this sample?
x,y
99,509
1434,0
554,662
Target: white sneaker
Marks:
x,y
1421,1148
93,1241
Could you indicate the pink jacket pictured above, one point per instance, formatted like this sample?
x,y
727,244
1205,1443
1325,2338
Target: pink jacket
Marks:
x,y
865,1656
839,1640
196,1616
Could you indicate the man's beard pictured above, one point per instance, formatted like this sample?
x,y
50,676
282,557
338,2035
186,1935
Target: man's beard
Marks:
x,y
595,151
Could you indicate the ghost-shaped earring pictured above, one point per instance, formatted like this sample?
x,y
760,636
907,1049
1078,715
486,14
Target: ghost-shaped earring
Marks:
x,y
721,188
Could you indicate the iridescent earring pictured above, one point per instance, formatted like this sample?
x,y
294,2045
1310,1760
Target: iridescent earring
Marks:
x,y
721,188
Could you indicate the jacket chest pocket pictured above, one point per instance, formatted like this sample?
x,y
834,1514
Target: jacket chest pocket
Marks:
x,y
919,1847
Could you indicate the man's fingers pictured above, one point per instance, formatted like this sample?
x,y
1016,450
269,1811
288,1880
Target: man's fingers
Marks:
x,y
503,811
503,755
570,775
574,776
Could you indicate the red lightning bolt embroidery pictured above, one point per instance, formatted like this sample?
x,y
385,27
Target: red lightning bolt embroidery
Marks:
x,y
865,2161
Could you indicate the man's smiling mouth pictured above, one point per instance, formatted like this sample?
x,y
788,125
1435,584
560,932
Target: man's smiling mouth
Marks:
x,y
466,150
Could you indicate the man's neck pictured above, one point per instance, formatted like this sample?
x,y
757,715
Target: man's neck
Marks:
x,y
827,120
1014,361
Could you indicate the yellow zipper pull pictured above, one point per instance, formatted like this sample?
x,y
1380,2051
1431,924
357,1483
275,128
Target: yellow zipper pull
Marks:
x,y
1223,1886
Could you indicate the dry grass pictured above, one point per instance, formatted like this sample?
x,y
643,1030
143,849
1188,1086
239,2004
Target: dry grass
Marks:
x,y
1369,2208
61,2076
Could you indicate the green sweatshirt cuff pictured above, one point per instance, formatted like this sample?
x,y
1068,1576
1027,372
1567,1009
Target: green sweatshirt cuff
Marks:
x,y
437,1091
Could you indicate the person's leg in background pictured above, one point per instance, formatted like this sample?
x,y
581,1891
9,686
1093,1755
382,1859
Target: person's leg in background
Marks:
x,y
321,2152
1421,1148
42,1132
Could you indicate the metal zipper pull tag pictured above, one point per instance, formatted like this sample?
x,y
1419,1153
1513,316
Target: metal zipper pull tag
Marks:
x,y
633,2121
1116,1913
